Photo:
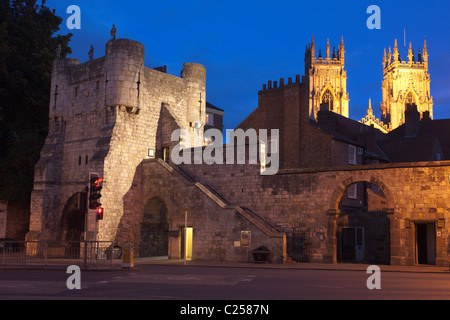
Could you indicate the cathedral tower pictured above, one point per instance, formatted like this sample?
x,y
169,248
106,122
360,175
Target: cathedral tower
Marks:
x,y
405,83
327,80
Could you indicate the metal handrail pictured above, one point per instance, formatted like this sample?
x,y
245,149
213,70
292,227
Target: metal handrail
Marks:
x,y
49,254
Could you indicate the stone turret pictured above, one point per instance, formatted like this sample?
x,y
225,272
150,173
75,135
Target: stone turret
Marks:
x,y
60,87
195,75
124,65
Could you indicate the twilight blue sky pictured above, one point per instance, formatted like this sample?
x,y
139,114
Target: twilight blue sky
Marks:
x,y
245,43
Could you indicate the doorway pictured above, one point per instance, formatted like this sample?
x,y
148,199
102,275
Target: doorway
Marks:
x,y
73,218
352,245
154,229
73,224
186,243
426,243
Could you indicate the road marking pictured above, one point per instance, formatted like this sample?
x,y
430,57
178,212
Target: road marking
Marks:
x,y
16,286
248,279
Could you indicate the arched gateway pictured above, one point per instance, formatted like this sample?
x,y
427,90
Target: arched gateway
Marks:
x,y
360,211
73,218
154,231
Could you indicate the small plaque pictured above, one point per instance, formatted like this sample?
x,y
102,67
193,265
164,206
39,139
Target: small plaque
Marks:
x,y
246,237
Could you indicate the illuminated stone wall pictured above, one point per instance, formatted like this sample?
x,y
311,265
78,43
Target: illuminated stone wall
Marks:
x,y
309,199
105,116
224,200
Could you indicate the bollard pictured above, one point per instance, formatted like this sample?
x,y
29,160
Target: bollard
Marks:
x,y
128,256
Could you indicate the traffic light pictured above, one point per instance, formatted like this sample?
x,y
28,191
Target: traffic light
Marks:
x,y
94,191
100,211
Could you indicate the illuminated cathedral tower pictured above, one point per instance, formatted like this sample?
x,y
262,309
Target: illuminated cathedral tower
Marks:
x,y
405,84
327,80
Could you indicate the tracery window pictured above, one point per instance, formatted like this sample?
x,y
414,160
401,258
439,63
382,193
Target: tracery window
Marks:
x,y
410,101
327,101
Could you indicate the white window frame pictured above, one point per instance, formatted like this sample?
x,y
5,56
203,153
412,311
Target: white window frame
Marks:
x,y
352,191
209,119
351,154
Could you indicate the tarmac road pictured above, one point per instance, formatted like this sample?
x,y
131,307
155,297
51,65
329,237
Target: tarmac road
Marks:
x,y
206,283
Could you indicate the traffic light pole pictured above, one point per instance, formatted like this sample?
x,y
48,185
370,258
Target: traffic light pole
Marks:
x,y
90,212
87,209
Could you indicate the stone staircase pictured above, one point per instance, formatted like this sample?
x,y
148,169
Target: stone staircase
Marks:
x,y
258,221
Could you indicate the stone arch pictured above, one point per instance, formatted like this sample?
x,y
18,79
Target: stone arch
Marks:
x,y
154,229
361,232
73,218
343,186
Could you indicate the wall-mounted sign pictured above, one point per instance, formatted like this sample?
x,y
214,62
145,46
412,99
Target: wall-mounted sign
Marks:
x,y
246,237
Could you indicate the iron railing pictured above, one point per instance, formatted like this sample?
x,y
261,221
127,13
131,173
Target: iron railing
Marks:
x,y
299,246
57,254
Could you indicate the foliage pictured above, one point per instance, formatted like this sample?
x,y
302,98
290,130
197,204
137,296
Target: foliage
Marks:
x,y
27,51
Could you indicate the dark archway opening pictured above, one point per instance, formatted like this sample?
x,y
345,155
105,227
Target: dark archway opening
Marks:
x,y
73,218
154,235
73,223
363,226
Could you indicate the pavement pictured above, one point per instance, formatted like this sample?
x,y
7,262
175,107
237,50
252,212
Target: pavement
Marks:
x,y
139,262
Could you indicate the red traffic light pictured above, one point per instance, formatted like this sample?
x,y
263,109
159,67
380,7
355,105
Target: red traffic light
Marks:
x,y
100,211
94,191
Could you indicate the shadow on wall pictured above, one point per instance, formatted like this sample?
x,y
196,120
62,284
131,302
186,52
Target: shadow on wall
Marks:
x,y
363,228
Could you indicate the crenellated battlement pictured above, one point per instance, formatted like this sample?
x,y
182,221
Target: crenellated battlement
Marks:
x,y
282,83
331,58
393,59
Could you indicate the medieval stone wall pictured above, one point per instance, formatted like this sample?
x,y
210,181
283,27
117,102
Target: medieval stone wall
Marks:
x,y
104,118
217,225
309,200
